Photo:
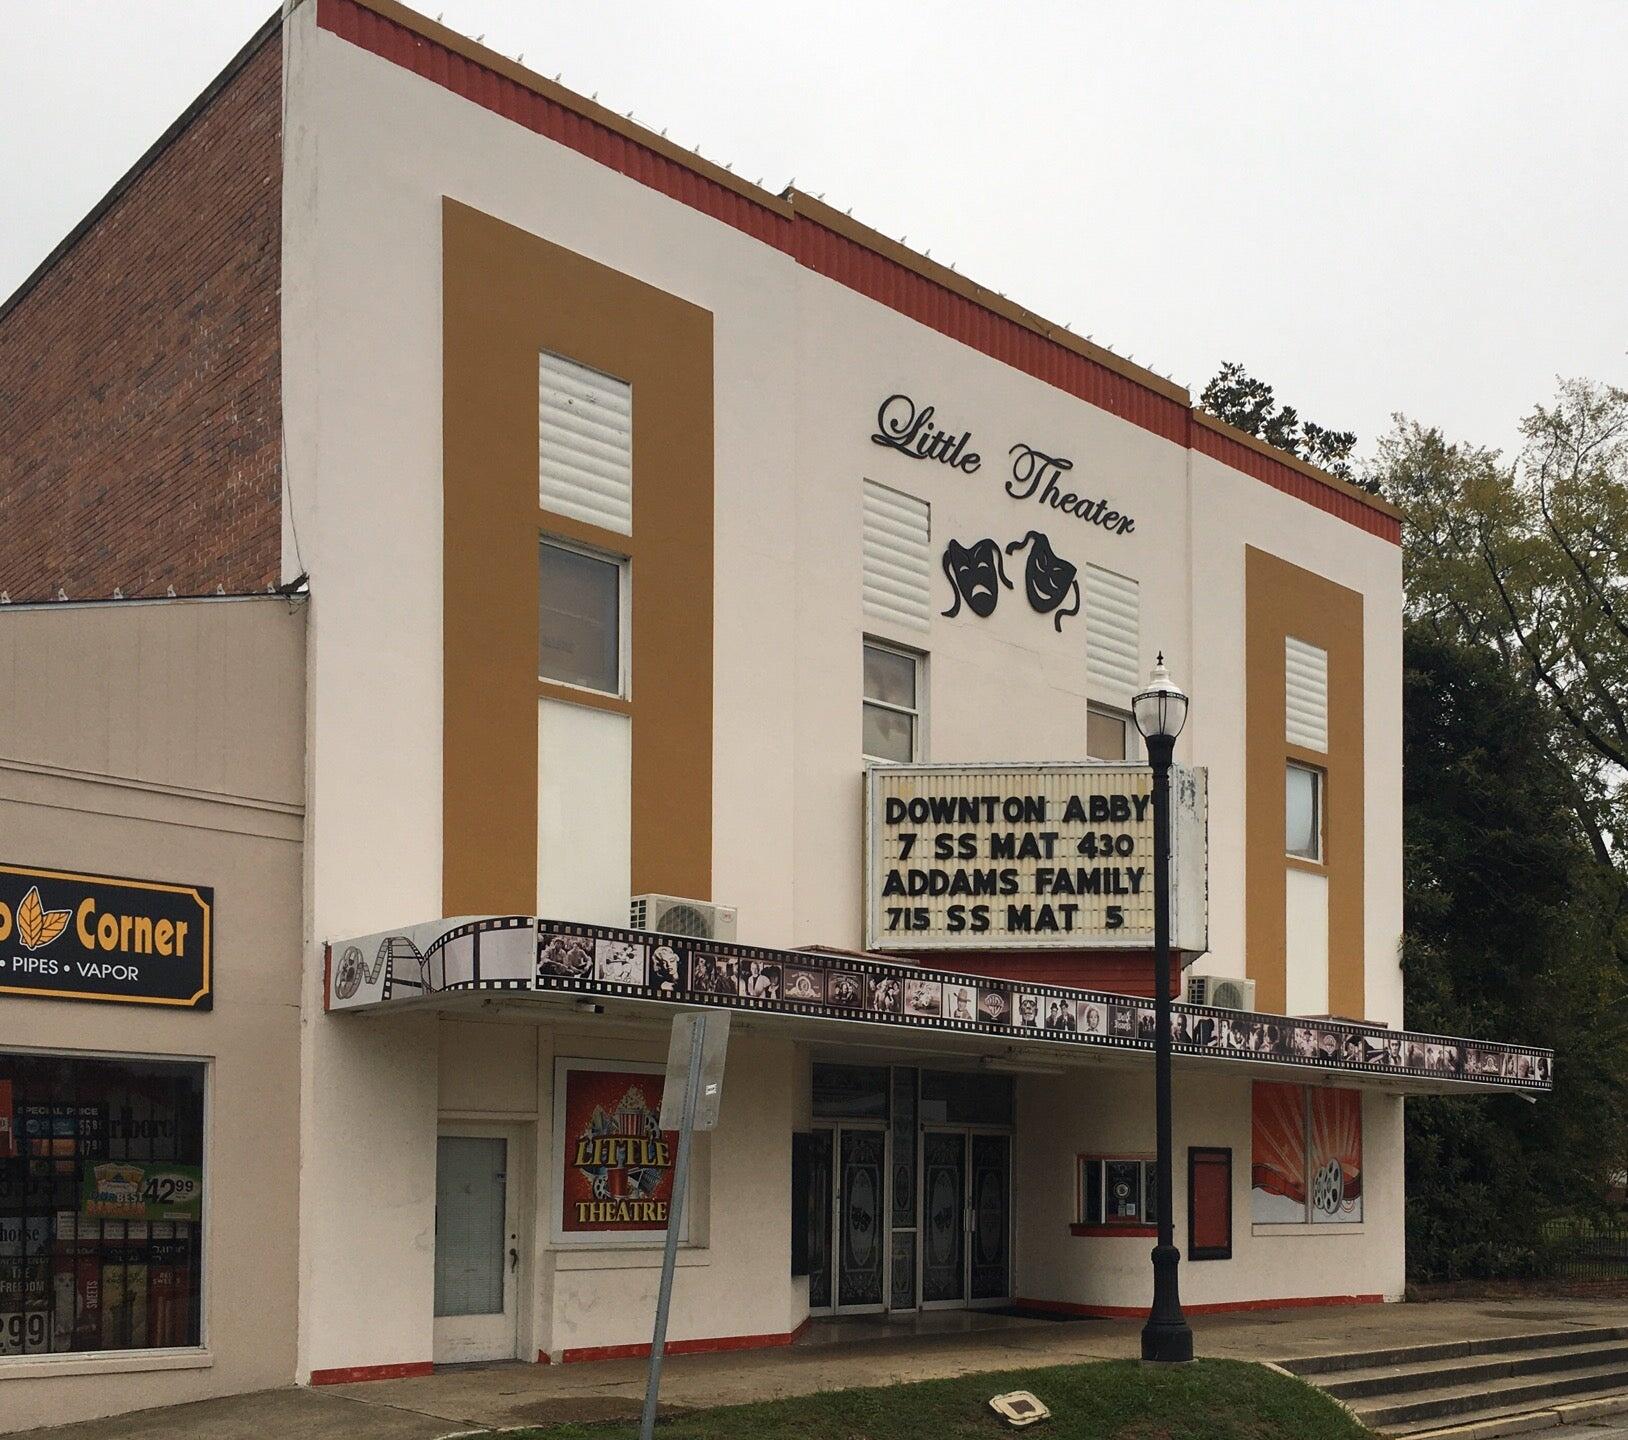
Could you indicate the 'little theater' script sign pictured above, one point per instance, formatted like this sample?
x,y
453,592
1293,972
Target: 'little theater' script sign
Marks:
x,y
990,857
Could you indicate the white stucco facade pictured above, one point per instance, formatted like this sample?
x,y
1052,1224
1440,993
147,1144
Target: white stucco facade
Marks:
x,y
801,365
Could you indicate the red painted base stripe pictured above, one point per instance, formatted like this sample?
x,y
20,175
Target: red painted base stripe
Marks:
x,y
1223,1307
1116,1232
683,1347
350,1374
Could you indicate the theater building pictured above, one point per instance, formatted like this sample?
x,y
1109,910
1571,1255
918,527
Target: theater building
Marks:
x,y
708,601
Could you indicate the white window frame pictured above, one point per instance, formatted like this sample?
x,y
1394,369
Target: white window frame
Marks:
x,y
1112,712
624,618
918,731
1319,812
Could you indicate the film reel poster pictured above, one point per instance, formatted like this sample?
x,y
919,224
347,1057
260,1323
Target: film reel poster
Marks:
x,y
1306,1155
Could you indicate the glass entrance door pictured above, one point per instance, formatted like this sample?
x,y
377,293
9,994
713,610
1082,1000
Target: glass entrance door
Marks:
x,y
966,1187
847,1244
861,1219
990,1183
944,1218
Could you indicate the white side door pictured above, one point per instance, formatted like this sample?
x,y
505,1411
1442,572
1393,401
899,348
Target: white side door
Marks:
x,y
477,1242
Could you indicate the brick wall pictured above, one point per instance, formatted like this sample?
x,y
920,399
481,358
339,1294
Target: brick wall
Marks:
x,y
140,393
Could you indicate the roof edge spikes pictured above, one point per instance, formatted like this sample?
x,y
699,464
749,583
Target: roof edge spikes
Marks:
x,y
1294,462
844,224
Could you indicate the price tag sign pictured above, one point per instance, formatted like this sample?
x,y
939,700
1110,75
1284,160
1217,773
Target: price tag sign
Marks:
x,y
142,1190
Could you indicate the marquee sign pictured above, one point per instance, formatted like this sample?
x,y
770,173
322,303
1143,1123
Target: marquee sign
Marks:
x,y
68,936
521,954
987,857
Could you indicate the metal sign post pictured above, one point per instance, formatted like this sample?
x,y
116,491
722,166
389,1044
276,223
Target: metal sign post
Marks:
x,y
695,1061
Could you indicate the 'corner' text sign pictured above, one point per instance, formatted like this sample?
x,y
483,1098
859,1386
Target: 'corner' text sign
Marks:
x,y
991,857
68,936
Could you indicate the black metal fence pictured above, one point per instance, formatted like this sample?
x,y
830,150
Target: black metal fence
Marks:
x,y
1584,1252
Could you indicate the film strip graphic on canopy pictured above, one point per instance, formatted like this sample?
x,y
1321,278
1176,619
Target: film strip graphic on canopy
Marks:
x,y
497,954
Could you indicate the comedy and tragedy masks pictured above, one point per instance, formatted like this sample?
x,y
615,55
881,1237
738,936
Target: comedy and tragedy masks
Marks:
x,y
973,572
1049,579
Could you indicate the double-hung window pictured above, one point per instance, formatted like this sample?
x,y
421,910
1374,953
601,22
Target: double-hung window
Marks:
x,y
892,704
1108,734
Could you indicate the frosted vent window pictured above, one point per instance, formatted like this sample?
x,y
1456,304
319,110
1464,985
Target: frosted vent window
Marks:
x,y
1305,684
584,444
1113,636
897,558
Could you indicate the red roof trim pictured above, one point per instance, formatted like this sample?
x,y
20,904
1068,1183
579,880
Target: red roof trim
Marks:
x,y
1294,482
838,257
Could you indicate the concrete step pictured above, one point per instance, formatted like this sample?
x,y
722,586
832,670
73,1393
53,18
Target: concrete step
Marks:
x,y
1413,1374
1518,1419
1448,1401
1309,1365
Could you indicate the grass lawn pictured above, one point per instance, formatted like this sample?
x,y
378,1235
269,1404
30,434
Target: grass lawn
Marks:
x,y
1111,1400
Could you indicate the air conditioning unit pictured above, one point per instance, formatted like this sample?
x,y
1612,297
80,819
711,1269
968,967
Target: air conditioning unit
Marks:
x,y
1222,991
674,915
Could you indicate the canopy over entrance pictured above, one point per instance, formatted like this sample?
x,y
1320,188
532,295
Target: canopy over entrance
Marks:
x,y
526,960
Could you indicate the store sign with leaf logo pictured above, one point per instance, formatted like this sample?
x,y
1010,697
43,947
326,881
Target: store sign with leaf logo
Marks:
x,y
70,936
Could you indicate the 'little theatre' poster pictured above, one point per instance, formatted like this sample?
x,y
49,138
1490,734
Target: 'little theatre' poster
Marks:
x,y
618,1170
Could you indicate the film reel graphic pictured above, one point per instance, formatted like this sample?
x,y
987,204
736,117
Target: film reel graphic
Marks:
x,y
1328,1188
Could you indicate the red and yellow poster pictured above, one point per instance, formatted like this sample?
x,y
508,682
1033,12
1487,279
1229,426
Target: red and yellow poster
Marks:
x,y
1306,1155
1278,1155
618,1163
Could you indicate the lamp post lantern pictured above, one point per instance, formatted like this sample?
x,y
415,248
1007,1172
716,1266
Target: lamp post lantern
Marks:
x,y
1161,711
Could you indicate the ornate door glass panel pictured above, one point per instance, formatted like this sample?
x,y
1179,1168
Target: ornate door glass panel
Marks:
x,y
904,1271
992,1217
819,1221
861,1219
943,1263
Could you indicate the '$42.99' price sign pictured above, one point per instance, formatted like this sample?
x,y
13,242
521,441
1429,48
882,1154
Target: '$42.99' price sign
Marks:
x,y
142,1190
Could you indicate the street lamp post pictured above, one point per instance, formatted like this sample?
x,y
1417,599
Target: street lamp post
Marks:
x,y
1161,711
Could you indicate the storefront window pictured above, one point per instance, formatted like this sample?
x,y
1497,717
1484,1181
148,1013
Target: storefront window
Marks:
x,y
101,1192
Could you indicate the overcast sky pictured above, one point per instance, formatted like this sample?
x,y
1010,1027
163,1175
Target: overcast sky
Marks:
x,y
1419,206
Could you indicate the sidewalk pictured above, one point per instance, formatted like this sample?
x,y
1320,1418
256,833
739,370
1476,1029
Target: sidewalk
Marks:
x,y
834,1355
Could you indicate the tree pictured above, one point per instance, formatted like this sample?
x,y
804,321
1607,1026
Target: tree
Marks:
x,y
1508,933
1248,404
1530,559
